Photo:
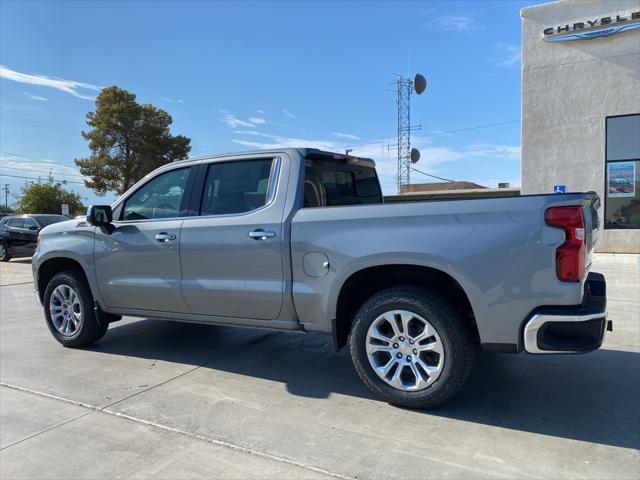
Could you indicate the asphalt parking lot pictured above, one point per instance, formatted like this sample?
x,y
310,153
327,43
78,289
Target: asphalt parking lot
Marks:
x,y
170,400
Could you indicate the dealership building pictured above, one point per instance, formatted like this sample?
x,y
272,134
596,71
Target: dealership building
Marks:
x,y
581,109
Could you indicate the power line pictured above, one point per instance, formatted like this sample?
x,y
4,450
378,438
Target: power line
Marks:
x,y
42,171
466,129
38,178
434,176
444,132
4,152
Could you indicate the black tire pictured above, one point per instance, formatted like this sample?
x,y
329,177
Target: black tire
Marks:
x,y
4,252
448,323
90,330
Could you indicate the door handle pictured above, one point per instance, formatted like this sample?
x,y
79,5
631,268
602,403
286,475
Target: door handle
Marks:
x,y
261,234
164,237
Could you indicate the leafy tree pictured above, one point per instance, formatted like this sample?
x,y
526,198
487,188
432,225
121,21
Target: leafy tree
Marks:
x,y
48,197
5,210
127,141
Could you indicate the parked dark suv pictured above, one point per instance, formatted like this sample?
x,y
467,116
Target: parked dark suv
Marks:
x,y
19,234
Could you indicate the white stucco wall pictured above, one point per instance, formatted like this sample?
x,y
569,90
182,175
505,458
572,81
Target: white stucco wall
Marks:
x,y
568,90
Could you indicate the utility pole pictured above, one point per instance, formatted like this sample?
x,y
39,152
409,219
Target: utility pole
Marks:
x,y
404,88
6,195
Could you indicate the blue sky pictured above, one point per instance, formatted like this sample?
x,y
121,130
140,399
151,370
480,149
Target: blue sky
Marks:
x,y
246,75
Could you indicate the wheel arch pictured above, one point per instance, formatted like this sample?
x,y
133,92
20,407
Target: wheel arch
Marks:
x,y
364,283
54,265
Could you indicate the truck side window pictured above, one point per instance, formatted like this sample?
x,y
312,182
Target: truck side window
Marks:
x,y
160,197
236,187
329,183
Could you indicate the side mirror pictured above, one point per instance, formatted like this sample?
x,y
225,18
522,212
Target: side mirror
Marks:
x,y
99,215
34,227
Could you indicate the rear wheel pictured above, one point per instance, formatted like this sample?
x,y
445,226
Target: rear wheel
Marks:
x,y
410,347
68,308
4,252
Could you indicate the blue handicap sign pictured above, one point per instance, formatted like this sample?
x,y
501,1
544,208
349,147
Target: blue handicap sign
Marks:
x,y
559,189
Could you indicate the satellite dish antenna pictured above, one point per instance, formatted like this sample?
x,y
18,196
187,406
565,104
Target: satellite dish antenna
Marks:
x,y
415,155
419,83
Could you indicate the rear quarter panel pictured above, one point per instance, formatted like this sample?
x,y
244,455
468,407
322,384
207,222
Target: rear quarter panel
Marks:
x,y
499,250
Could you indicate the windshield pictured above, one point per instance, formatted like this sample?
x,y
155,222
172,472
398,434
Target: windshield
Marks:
x,y
49,219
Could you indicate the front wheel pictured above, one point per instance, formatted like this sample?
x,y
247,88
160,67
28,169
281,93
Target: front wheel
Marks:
x,y
4,252
411,347
68,309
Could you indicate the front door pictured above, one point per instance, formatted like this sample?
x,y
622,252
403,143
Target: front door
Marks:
x,y
232,251
138,263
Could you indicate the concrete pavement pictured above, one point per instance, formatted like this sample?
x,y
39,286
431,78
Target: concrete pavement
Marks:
x,y
16,272
170,400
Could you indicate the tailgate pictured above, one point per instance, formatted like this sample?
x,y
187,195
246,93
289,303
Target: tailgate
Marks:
x,y
591,224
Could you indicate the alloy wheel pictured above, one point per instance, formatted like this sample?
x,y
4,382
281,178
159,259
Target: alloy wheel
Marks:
x,y
66,310
405,350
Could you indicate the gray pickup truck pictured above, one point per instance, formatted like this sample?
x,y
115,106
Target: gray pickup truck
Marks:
x,y
300,239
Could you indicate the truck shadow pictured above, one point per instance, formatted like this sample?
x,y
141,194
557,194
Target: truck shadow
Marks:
x,y
592,398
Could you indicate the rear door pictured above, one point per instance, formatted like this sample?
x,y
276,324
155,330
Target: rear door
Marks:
x,y
138,264
18,239
231,250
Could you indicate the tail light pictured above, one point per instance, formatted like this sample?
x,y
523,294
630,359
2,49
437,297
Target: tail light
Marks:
x,y
570,256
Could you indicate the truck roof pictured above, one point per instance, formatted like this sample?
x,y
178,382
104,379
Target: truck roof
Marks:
x,y
305,152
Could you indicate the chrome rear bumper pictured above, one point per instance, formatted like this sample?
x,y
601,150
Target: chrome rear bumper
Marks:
x,y
577,329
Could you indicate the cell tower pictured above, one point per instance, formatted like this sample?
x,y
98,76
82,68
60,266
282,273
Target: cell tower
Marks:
x,y
406,154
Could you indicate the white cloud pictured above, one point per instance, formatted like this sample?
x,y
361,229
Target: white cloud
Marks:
x,y
509,55
77,89
347,136
235,122
254,132
261,112
507,152
170,100
458,23
35,97
289,114
433,157
290,142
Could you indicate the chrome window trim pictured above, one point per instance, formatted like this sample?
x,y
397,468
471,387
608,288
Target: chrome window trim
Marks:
x,y
272,189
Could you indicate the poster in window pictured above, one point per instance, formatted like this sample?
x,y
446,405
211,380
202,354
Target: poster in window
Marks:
x,y
621,179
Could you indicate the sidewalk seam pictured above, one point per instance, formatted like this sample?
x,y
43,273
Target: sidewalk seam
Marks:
x,y
213,441
53,427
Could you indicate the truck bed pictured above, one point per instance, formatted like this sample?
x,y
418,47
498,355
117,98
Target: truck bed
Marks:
x,y
499,250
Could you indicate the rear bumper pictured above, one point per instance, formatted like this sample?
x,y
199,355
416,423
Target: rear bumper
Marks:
x,y
577,329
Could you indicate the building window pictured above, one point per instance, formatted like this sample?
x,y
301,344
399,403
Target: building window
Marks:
x,y
622,175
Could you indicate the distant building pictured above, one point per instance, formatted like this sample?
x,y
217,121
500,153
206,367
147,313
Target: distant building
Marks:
x,y
581,108
431,187
448,191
